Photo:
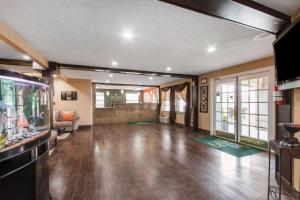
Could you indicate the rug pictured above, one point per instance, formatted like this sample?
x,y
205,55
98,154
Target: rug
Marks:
x,y
63,136
229,147
140,123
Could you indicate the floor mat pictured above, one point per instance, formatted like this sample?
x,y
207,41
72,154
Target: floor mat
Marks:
x,y
232,148
140,123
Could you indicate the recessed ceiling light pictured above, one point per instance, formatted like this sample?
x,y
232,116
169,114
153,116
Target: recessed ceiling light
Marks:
x,y
114,63
107,81
26,57
100,70
211,49
127,34
169,69
150,77
122,91
110,75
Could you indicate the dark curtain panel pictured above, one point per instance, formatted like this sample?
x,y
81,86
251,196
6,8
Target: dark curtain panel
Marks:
x,y
173,90
187,115
172,106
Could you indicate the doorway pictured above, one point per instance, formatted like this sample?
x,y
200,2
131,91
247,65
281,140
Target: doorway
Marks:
x,y
243,108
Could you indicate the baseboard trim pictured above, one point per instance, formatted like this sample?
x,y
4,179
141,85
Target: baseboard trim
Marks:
x,y
84,126
206,132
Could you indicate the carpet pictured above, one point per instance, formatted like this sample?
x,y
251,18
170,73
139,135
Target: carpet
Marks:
x,y
229,147
63,136
140,123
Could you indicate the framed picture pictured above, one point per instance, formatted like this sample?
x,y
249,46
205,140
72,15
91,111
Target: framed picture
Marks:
x,y
204,99
68,95
204,80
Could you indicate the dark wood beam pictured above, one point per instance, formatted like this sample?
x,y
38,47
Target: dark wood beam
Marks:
x,y
5,61
122,71
244,12
120,84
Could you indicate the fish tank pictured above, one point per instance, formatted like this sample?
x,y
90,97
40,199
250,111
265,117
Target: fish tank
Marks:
x,y
24,107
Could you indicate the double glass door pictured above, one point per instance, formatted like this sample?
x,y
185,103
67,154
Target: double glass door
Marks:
x,y
242,109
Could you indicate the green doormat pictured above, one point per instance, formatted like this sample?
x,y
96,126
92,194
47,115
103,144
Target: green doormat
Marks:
x,y
232,148
140,123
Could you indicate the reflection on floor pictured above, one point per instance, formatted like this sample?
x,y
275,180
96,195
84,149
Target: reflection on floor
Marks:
x,y
153,161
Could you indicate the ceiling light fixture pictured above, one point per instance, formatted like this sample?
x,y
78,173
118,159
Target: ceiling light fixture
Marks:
x,y
122,91
211,49
114,63
151,78
26,57
107,93
100,70
169,69
107,81
127,34
110,75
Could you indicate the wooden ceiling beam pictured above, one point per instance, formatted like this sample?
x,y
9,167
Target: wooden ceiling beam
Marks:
x,y
12,38
5,61
122,71
244,12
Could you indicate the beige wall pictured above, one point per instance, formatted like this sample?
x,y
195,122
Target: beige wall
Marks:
x,y
180,116
204,118
296,118
83,104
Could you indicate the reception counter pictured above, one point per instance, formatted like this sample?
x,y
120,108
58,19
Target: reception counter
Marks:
x,y
24,170
124,113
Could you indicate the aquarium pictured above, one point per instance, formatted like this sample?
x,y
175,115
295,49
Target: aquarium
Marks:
x,y
24,108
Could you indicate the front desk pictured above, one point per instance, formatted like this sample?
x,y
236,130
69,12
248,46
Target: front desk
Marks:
x,y
24,173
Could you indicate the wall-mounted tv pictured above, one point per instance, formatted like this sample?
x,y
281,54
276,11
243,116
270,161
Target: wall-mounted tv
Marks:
x,y
287,55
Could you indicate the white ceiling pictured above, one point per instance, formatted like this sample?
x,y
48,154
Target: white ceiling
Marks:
x,y
103,77
8,52
90,33
288,7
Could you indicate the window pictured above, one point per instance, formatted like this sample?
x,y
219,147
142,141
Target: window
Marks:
x,y
166,101
132,97
180,103
99,99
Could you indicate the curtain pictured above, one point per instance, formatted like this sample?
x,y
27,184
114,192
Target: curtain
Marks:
x,y
164,93
184,92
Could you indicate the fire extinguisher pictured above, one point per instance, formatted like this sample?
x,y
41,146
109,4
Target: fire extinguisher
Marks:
x,y
278,95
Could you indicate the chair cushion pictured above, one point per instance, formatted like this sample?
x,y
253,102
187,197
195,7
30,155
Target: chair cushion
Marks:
x,y
67,115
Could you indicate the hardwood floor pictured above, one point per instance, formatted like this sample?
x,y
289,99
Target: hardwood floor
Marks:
x,y
151,162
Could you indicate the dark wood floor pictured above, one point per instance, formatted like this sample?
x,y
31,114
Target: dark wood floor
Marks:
x,y
151,162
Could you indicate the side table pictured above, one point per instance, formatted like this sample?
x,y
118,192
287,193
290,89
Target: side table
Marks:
x,y
274,192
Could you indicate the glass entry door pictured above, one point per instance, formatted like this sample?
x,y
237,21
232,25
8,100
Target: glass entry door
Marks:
x,y
242,109
225,108
254,107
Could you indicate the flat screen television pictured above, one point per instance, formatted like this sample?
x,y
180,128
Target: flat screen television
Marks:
x,y
287,55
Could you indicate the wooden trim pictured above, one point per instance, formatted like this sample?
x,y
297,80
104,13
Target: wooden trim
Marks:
x,y
122,71
5,61
12,38
254,15
120,84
